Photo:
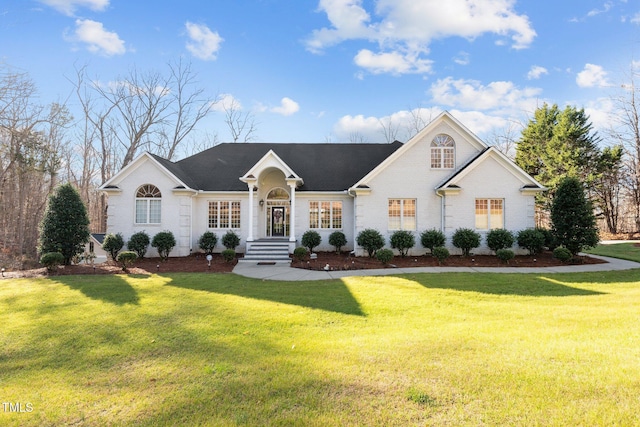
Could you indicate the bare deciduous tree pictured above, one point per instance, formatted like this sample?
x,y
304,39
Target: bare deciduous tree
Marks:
x,y
241,125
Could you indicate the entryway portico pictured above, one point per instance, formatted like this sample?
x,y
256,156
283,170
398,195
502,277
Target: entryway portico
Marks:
x,y
272,200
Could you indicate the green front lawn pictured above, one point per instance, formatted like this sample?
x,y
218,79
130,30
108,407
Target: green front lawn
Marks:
x,y
628,251
223,350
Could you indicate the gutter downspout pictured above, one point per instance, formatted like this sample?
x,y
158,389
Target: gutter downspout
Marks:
x,y
351,193
442,210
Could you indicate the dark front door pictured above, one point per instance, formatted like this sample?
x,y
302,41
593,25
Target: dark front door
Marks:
x,y
277,221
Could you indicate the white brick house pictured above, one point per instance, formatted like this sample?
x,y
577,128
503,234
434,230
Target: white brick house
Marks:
x,y
443,178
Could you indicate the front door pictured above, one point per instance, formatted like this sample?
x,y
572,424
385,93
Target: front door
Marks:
x,y
277,221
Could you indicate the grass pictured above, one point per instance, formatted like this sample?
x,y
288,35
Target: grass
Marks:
x,y
223,350
628,251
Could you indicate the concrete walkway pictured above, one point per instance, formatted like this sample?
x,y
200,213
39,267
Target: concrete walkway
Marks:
x,y
283,271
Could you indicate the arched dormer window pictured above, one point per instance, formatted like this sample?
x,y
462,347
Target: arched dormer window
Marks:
x,y
148,205
443,152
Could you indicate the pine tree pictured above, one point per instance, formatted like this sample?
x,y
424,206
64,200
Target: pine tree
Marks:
x,y
573,221
558,144
65,226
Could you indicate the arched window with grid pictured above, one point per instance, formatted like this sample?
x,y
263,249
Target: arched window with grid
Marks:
x,y
443,152
148,205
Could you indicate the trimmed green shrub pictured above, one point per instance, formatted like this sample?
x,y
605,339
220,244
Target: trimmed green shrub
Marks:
x,y
562,253
207,242
164,242
505,255
52,260
337,239
402,240
138,243
311,239
384,256
431,239
371,240
229,255
441,253
112,243
126,259
300,253
499,238
531,239
230,240
465,239
550,240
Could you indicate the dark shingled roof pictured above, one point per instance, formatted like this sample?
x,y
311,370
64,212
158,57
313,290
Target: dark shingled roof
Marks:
x,y
323,167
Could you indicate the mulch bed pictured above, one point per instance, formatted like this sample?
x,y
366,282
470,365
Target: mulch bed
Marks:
x,y
198,264
345,262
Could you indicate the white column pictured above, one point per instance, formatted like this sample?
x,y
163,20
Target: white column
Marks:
x,y
250,236
292,213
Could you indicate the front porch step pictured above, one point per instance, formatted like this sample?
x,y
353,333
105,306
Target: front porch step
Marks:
x,y
267,251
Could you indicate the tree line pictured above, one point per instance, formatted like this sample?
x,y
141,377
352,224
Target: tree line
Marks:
x,y
42,145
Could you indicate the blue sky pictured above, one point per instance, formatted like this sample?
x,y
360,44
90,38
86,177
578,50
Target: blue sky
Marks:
x,y
317,71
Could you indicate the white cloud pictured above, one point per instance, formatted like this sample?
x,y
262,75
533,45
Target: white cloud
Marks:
x,y
636,18
287,107
371,128
204,43
605,8
592,76
391,62
473,95
97,39
536,72
226,101
407,27
68,7
462,58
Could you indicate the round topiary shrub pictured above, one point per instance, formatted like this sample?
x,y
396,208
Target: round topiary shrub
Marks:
x,y
300,253
52,260
139,243
126,259
441,253
337,239
207,242
465,239
531,239
371,240
112,243
229,255
402,240
164,242
563,254
550,240
384,256
230,240
431,239
505,255
499,238
311,239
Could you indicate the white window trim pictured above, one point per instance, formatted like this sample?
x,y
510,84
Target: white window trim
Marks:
x,y
331,218
489,203
402,215
441,149
228,225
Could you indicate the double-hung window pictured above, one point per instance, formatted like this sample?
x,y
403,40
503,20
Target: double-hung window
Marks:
x,y
148,205
489,214
325,214
224,214
402,214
